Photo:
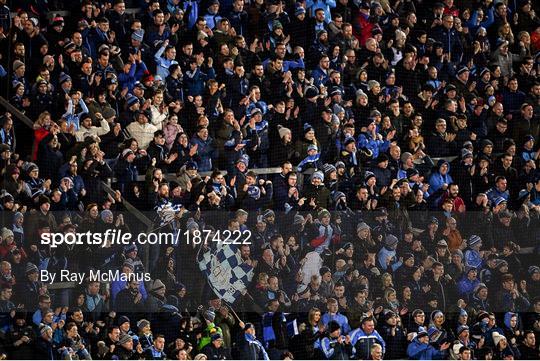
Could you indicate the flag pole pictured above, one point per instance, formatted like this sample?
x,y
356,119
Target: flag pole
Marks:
x,y
232,310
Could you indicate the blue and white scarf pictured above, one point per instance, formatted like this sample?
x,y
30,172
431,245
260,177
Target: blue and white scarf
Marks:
x,y
308,159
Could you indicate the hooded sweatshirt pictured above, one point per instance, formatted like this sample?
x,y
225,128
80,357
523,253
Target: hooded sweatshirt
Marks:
x,y
437,179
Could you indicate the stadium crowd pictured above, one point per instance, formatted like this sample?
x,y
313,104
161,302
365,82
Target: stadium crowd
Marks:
x,y
403,221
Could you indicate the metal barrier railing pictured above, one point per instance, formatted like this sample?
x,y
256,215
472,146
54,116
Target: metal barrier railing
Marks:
x,y
16,112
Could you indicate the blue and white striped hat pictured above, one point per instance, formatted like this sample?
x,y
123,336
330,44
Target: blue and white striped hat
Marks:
x,y
474,240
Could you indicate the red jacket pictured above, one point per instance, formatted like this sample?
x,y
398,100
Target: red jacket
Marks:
x,y
362,28
39,134
459,204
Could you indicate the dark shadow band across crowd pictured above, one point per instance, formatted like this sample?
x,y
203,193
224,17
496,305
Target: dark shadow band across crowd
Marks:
x,y
377,160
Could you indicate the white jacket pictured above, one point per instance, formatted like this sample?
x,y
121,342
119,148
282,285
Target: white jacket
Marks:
x,y
143,133
84,132
312,266
158,118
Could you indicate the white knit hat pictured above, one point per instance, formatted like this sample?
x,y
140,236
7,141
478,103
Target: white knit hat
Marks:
x,y
497,337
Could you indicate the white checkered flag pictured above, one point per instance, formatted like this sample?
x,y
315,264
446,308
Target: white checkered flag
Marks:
x,y
227,274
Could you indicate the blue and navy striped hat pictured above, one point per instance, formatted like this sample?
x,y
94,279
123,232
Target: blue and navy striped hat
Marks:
x,y
474,240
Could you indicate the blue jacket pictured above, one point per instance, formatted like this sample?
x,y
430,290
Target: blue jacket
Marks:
x,y
421,351
383,254
193,6
288,64
333,350
450,40
211,19
472,23
319,76
162,63
313,5
376,146
194,81
437,180
508,316
5,18
466,287
135,73
153,35
493,193
362,343
205,152
71,116
505,301
340,319
96,38
535,197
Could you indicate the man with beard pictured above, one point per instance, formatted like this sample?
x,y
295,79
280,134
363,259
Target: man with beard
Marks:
x,y
452,193
31,38
358,306
525,124
130,299
377,66
321,73
317,23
